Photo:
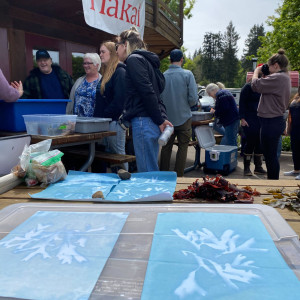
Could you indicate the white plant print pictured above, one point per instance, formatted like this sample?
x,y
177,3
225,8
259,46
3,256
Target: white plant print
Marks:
x,y
62,245
232,273
56,255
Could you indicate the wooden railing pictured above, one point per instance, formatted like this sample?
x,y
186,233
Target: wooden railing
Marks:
x,y
162,13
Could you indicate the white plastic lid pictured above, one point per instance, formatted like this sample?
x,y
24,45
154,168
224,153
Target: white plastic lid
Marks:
x,y
92,119
205,136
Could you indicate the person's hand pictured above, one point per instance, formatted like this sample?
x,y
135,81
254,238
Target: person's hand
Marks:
x,y
244,123
18,86
212,110
164,124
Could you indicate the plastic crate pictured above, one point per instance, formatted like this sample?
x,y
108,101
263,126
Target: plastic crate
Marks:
x,y
88,124
11,114
50,125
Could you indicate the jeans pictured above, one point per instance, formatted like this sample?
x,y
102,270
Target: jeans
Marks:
x,y
231,131
183,134
271,130
116,143
145,136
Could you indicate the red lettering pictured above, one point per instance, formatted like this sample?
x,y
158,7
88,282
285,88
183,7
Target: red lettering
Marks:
x,y
102,8
138,24
92,5
125,11
115,9
133,17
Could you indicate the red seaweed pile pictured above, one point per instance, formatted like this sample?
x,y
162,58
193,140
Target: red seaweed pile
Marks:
x,y
218,189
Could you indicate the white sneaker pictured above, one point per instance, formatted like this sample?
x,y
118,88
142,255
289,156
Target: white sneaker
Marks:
x,y
297,177
291,173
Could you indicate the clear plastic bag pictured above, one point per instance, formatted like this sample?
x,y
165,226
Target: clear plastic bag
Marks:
x,y
38,164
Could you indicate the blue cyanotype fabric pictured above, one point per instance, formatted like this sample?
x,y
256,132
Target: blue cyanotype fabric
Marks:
x,y
57,255
216,256
148,186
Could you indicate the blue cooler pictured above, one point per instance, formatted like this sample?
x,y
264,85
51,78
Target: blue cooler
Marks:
x,y
218,158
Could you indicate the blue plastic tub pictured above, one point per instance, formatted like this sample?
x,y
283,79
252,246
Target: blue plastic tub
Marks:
x,y
11,114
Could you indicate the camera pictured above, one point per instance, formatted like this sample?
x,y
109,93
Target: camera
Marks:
x,y
265,69
123,123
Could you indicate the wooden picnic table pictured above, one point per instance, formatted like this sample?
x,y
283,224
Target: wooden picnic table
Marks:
x,y
20,194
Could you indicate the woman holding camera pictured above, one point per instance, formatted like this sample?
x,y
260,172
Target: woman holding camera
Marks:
x,y
144,108
275,89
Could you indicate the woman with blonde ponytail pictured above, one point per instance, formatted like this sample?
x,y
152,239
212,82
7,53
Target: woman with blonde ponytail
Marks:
x,y
144,108
110,97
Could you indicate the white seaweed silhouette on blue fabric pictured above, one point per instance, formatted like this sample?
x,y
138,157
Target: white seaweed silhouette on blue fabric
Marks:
x,y
62,244
239,270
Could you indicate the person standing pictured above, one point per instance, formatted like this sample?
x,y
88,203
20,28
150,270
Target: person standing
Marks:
x,y
226,111
179,95
47,81
144,108
294,132
83,93
110,97
275,90
251,127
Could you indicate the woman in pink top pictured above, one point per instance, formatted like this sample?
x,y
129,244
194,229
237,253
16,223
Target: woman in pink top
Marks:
x,y
10,93
275,89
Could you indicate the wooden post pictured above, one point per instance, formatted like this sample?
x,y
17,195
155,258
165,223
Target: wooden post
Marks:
x,y
181,21
155,12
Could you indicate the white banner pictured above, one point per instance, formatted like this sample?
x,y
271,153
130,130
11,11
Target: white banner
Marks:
x,y
114,16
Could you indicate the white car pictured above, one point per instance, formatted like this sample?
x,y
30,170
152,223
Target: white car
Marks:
x,y
206,101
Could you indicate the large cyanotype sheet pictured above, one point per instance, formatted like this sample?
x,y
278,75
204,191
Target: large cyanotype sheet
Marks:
x,y
148,186
216,256
57,255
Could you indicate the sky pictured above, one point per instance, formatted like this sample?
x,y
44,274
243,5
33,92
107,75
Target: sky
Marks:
x,y
215,15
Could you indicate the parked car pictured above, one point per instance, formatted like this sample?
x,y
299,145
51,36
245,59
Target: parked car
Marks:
x,y
206,101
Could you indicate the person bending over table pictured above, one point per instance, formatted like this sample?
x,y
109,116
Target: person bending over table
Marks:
x,y
226,111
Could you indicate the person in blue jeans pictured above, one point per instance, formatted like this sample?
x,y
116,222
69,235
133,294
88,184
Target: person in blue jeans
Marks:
x,y
226,111
144,108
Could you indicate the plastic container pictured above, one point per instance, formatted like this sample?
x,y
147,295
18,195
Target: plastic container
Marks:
x,y
165,136
50,125
201,116
125,269
11,118
218,158
87,125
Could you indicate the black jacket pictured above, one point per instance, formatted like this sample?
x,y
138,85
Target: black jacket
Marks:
x,y
111,103
142,89
248,102
32,84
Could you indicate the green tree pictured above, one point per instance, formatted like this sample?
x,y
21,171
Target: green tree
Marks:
x,y
285,34
230,60
252,45
188,5
212,55
78,70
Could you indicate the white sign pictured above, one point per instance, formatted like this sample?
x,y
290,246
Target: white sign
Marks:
x,y
114,16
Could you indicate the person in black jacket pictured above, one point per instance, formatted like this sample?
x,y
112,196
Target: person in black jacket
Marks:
x,y
144,107
249,120
110,97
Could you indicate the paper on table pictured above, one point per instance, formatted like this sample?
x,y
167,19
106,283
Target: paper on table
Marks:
x,y
148,186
